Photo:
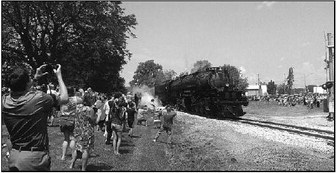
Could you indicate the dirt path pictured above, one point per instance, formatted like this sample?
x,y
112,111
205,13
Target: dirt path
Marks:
x,y
138,153
147,155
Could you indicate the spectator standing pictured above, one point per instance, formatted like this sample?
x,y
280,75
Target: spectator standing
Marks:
x,y
67,121
28,110
81,91
89,97
152,105
100,103
108,128
124,104
116,113
131,115
136,100
151,111
51,90
167,124
142,115
84,134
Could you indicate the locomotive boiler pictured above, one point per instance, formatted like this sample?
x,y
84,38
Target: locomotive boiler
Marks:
x,y
207,93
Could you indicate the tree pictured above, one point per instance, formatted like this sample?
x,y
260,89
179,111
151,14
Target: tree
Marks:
x,y
234,75
271,88
88,38
169,74
200,66
147,73
290,81
282,88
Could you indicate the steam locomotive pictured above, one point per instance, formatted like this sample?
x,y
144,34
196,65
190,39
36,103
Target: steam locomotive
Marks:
x,y
209,93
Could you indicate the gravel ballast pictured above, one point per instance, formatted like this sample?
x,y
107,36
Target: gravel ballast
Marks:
x,y
234,146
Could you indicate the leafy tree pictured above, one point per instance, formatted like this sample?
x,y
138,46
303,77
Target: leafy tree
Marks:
x,y
290,81
169,74
88,38
282,88
164,75
271,88
147,73
235,76
200,66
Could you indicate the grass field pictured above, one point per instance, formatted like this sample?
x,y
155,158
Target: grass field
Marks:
x,y
272,108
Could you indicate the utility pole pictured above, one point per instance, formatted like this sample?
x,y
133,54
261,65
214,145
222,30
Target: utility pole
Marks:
x,y
284,88
304,77
259,87
331,78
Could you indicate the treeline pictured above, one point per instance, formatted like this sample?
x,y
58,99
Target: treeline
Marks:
x,y
88,38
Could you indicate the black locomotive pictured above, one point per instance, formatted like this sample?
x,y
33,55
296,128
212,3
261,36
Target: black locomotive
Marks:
x,y
206,93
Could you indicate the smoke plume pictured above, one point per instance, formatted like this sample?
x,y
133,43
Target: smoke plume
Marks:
x,y
147,94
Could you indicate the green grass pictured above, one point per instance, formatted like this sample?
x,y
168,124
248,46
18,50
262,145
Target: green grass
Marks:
x,y
272,108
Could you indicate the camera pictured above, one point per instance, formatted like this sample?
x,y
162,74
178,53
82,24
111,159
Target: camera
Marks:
x,y
50,77
50,68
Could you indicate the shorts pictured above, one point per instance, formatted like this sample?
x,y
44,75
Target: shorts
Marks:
x,y
68,128
29,160
116,127
66,124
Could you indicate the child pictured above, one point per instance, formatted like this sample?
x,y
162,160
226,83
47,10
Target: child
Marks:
x,y
167,124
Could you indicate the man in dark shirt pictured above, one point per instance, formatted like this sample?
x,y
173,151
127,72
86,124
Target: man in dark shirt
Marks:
x,y
136,100
25,114
131,115
167,119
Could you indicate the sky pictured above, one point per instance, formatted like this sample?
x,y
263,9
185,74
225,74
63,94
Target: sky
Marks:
x,y
259,38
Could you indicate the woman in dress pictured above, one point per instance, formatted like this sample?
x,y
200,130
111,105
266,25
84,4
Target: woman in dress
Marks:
x,y
84,135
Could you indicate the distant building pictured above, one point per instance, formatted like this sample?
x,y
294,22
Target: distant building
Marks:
x,y
256,90
320,90
310,88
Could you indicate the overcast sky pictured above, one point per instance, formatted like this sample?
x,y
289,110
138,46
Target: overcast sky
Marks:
x,y
265,38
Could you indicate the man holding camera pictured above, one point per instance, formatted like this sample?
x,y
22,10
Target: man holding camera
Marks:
x,y
25,114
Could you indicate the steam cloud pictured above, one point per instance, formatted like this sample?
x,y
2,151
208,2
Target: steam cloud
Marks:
x,y
147,94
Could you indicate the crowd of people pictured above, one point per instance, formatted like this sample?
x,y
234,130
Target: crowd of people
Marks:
x,y
310,100
27,108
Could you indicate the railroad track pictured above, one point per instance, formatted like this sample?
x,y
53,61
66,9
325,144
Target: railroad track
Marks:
x,y
325,134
